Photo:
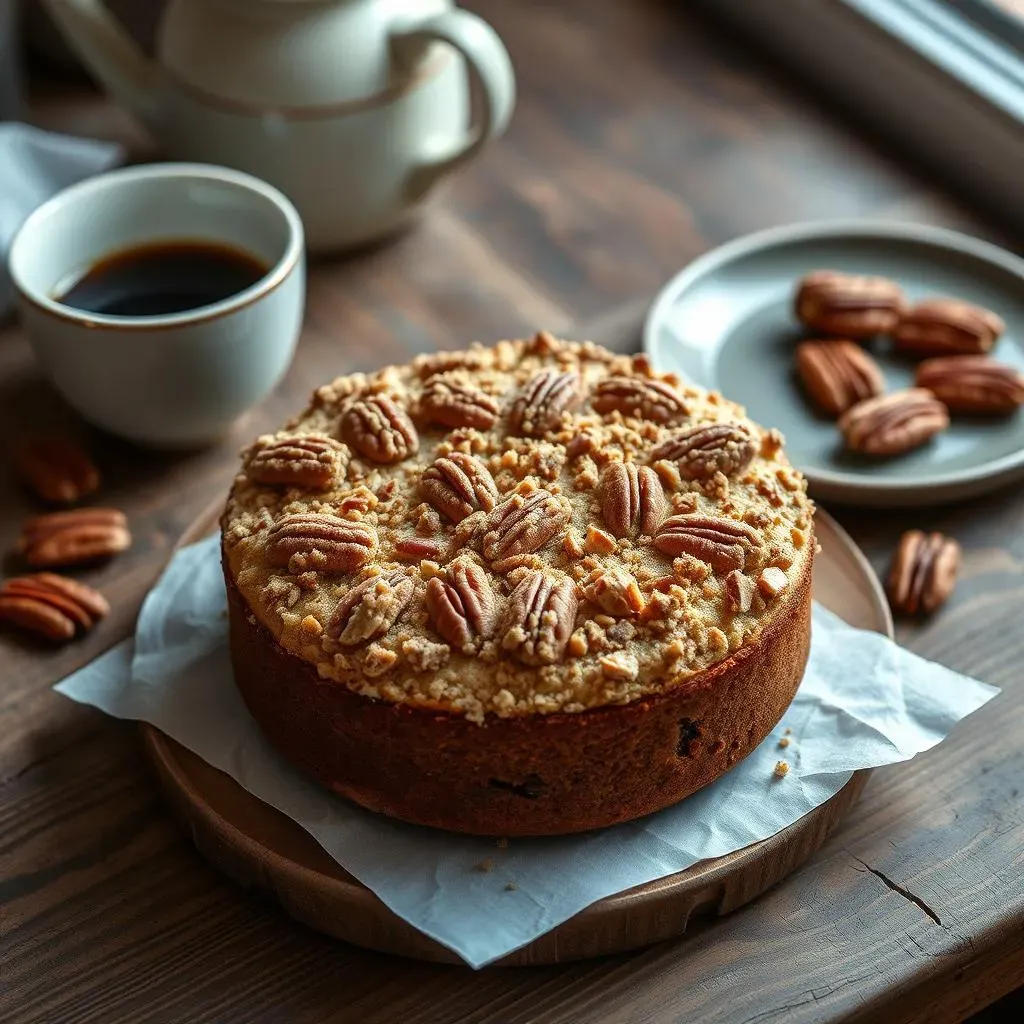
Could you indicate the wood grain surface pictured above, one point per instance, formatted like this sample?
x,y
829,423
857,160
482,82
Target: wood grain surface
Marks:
x,y
662,139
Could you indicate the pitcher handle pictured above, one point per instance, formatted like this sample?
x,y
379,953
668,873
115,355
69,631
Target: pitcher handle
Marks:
x,y
489,67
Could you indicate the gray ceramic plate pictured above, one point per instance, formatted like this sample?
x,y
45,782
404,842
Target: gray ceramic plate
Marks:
x,y
726,322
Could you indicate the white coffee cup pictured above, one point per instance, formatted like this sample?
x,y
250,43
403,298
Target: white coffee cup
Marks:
x,y
174,380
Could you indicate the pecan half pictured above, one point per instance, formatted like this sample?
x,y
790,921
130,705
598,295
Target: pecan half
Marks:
x,y
454,404
524,523
837,374
370,608
947,327
309,540
632,501
312,462
893,423
972,384
848,304
56,468
701,452
539,618
923,572
640,397
462,606
458,485
50,605
379,428
541,404
72,538
724,544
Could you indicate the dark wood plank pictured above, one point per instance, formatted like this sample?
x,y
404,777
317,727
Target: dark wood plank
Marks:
x,y
662,139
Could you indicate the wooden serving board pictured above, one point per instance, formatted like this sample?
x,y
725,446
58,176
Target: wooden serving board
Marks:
x,y
258,846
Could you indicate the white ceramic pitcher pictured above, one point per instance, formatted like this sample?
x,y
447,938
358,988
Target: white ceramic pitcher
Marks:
x,y
354,108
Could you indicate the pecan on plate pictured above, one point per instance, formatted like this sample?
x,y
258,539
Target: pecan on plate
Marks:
x,y
379,428
947,327
850,305
523,523
73,538
462,606
837,374
370,608
454,404
458,485
306,541
312,462
539,618
52,606
55,467
544,400
972,384
641,397
723,543
923,572
632,501
894,423
702,451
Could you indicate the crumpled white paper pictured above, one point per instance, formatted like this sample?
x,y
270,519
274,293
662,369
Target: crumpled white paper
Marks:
x,y
864,702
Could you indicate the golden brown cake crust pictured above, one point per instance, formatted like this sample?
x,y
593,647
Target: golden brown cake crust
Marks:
x,y
536,528
538,775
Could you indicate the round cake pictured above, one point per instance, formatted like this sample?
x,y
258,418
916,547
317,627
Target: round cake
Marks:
x,y
527,589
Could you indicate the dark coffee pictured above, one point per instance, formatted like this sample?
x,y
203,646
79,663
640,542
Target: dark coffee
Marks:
x,y
165,277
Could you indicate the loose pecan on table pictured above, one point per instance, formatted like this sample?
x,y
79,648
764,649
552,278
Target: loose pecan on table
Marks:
x,y
75,537
923,572
894,423
55,467
837,374
947,327
310,540
312,462
379,428
972,384
700,452
850,305
51,606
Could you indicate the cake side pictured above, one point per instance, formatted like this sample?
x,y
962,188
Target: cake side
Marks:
x,y
545,774
532,529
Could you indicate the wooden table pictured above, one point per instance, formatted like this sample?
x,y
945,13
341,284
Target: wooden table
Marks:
x,y
663,139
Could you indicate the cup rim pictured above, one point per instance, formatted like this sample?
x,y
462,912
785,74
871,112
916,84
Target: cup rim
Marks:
x,y
275,276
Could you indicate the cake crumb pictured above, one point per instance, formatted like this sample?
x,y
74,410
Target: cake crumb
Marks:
x,y
781,769
486,865
788,731
784,742
511,886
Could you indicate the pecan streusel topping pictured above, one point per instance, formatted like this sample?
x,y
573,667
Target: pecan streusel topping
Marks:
x,y
534,527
